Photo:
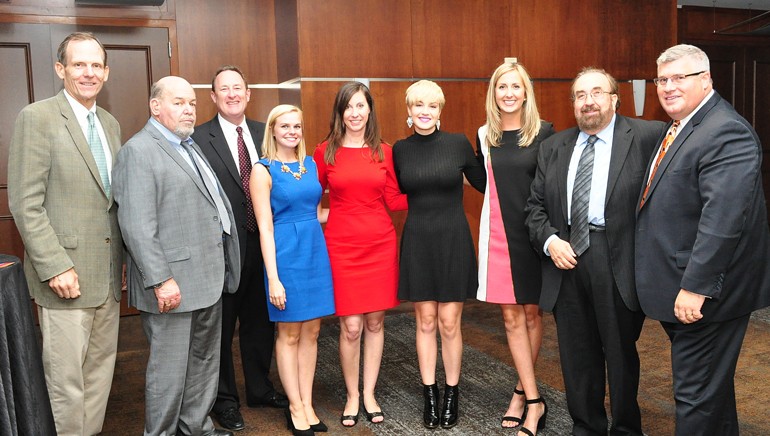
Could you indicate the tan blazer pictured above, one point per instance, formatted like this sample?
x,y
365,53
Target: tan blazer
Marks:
x,y
57,199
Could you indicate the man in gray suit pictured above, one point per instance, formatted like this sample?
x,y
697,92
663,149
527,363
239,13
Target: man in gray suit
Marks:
x,y
182,254
59,194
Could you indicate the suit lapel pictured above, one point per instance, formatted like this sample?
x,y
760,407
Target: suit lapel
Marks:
x,y
684,132
76,133
219,144
563,158
622,139
178,159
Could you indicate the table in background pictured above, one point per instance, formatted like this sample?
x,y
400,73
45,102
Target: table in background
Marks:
x,y
24,405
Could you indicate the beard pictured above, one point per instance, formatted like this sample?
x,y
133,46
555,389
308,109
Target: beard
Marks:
x,y
184,132
593,122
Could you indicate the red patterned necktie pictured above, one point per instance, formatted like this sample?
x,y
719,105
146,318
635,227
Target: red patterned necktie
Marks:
x,y
244,165
663,149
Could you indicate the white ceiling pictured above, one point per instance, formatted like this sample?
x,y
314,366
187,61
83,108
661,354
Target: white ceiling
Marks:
x,y
761,5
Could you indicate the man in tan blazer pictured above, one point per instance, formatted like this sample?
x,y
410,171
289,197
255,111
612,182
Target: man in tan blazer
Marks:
x,y
59,194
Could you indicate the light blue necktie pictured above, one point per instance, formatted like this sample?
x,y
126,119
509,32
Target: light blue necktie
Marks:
x,y
97,150
211,187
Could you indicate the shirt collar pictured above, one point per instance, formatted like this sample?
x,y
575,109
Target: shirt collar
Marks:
x,y
687,119
168,134
229,127
81,112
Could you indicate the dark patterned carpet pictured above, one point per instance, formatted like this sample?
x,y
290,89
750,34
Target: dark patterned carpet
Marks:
x,y
486,386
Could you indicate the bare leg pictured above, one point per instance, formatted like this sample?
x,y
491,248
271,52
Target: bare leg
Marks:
x,y
373,345
449,325
427,346
308,352
350,357
515,320
287,360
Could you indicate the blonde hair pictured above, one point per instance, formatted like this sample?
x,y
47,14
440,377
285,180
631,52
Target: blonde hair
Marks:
x,y
530,116
269,145
425,91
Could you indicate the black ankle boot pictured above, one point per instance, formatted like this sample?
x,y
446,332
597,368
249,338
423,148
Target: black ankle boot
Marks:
x,y
449,411
430,411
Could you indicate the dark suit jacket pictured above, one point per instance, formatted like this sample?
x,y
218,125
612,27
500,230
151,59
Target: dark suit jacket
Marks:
x,y
211,139
633,143
704,225
165,213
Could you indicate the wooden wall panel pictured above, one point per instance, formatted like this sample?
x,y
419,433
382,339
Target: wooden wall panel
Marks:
x,y
68,8
365,38
555,38
459,38
698,23
286,40
633,37
389,98
317,101
211,34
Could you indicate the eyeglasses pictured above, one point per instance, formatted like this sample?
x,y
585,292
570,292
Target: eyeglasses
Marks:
x,y
676,79
595,95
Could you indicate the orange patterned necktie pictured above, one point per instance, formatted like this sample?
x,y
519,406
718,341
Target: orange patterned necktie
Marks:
x,y
663,149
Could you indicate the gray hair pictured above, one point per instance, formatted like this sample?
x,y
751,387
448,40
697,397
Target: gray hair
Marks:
x,y
683,51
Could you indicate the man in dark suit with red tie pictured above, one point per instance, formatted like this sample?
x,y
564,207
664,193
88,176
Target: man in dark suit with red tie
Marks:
x,y
581,215
702,241
232,143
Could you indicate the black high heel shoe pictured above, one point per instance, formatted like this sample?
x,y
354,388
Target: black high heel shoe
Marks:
x,y
319,427
515,419
449,412
430,410
540,421
294,431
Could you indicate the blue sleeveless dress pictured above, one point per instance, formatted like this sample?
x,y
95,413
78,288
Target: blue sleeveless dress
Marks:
x,y
300,247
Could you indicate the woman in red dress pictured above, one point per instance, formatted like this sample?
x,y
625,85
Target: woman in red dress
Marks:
x,y
357,168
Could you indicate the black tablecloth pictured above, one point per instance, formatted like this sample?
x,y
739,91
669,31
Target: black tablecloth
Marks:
x,y
24,405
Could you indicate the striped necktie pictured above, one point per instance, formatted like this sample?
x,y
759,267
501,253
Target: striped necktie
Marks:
x,y
663,149
581,194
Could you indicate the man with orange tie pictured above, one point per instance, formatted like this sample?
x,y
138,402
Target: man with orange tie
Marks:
x,y
232,145
702,240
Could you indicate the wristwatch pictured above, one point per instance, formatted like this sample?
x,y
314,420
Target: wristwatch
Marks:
x,y
158,285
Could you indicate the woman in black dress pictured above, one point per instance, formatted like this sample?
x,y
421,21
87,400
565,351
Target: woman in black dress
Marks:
x,y
509,267
438,260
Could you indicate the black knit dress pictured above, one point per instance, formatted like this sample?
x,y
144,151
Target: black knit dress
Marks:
x,y
438,260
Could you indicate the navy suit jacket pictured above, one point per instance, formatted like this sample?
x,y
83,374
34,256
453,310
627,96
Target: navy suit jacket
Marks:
x,y
704,227
211,139
633,143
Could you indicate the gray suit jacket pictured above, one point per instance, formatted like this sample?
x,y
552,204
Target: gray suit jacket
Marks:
x,y
170,226
59,205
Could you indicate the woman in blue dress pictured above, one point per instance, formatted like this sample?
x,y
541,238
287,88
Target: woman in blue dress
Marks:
x,y
286,197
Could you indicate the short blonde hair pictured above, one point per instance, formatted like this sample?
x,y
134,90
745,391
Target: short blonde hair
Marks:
x,y
269,145
425,91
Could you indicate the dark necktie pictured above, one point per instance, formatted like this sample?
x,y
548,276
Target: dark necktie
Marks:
x,y
244,165
581,193
663,149
211,187
97,150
